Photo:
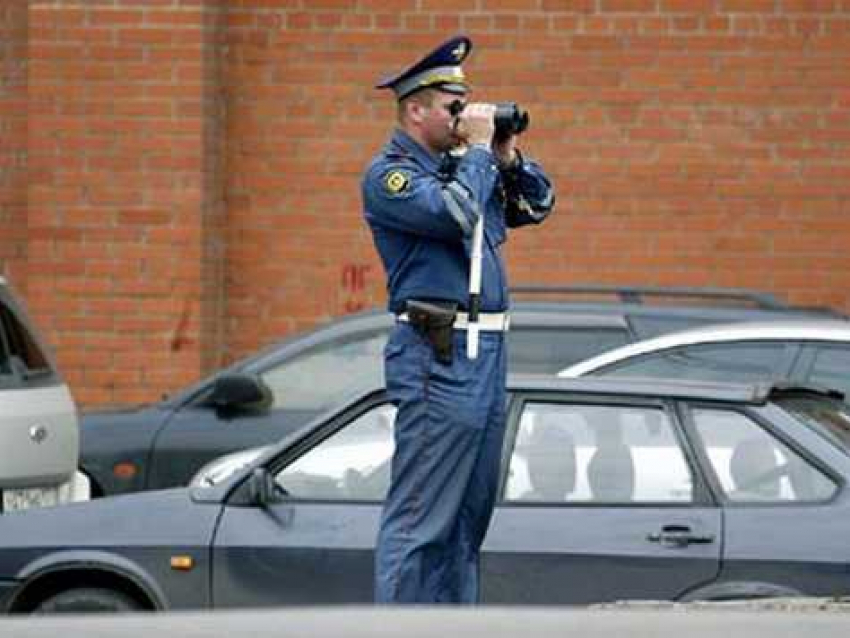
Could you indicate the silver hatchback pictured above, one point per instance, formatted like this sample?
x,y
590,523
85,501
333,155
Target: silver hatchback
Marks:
x,y
39,432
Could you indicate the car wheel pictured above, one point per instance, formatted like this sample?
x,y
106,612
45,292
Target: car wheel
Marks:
x,y
88,600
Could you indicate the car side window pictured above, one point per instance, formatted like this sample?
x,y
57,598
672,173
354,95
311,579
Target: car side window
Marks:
x,y
21,355
831,369
752,465
321,377
738,361
353,464
5,361
548,350
581,453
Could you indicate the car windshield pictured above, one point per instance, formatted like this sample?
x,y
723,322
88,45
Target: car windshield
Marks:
x,y
829,417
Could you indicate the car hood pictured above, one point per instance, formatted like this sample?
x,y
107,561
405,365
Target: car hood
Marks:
x,y
148,519
117,409
136,414
104,429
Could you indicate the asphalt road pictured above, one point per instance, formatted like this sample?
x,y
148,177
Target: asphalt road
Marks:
x,y
698,622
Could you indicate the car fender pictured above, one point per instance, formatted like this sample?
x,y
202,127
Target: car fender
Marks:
x,y
95,561
739,590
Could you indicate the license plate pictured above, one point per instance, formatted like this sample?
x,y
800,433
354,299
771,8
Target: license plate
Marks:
x,y
22,499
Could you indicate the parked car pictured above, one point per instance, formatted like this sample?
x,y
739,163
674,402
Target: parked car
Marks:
x,y
39,435
164,444
811,351
611,489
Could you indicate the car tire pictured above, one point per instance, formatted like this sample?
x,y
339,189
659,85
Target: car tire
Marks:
x,y
89,600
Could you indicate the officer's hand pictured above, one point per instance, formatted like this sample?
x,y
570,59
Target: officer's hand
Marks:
x,y
475,123
505,151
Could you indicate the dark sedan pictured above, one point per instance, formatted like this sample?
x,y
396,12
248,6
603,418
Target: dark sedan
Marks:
x,y
260,399
611,489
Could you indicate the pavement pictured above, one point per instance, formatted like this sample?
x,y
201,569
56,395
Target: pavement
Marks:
x,y
778,619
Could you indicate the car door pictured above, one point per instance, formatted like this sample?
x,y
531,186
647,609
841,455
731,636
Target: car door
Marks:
x,y
600,503
318,545
302,386
786,530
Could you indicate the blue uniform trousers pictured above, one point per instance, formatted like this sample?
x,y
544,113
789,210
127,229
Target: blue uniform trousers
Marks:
x,y
448,433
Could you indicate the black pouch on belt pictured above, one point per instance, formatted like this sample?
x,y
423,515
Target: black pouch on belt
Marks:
x,y
434,322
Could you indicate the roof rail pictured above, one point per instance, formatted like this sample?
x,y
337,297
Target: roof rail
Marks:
x,y
638,294
832,313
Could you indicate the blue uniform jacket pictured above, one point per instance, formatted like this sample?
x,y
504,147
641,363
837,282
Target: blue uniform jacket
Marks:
x,y
422,210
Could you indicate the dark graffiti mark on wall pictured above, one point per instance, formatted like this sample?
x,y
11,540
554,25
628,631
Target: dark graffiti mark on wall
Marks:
x,y
354,278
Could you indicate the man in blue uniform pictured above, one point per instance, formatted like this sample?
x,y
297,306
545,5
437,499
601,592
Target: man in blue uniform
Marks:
x,y
423,193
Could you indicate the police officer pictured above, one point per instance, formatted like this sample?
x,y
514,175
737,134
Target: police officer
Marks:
x,y
423,194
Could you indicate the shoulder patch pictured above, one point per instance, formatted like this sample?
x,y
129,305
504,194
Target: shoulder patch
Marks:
x,y
396,182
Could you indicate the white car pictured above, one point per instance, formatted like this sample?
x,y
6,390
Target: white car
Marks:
x,y
812,352
39,430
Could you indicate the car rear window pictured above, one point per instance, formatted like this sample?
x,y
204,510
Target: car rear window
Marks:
x,y
739,361
828,417
549,350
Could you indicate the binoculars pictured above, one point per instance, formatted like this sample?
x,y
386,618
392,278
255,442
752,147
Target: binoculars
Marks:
x,y
509,119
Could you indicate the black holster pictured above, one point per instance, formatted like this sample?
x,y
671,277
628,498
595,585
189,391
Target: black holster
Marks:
x,y
435,322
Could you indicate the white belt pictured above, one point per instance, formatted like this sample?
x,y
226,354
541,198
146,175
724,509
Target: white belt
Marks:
x,y
488,321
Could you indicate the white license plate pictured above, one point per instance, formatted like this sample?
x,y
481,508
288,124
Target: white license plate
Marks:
x,y
22,499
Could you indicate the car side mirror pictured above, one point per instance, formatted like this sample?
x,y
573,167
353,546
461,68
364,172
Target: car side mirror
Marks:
x,y
240,391
263,490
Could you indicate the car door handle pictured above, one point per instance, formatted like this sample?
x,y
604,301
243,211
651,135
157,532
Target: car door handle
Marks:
x,y
679,536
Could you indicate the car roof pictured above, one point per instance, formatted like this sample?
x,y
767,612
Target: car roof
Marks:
x,y
556,313
590,306
779,330
737,303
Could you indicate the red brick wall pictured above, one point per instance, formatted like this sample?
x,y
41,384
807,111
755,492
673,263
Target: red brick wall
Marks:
x,y
691,141
13,141
196,163
125,196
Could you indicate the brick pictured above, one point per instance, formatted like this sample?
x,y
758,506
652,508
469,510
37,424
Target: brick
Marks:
x,y
508,6
112,16
181,18
628,5
150,36
747,6
686,6
578,6
810,6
